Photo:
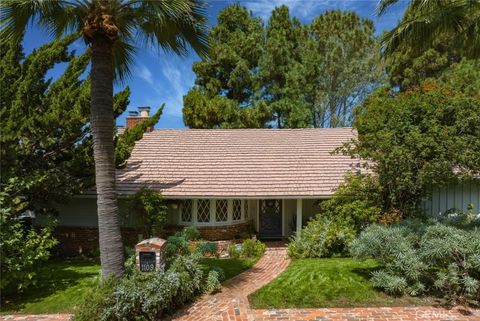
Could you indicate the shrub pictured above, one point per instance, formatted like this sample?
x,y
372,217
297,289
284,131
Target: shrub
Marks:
x,y
149,206
321,237
252,248
130,261
98,298
207,248
220,271
22,248
420,257
355,205
191,233
213,282
234,250
176,245
146,296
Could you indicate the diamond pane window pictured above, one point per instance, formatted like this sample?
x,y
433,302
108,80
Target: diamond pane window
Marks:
x,y
203,211
237,210
187,211
221,211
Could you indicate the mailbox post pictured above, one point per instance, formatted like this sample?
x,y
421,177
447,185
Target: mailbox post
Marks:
x,y
150,254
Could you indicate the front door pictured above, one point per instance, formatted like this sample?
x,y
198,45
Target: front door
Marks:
x,y
270,218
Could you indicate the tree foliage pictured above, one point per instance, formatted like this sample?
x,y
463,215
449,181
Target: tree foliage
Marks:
x,y
344,66
422,138
426,21
46,146
284,74
407,67
113,30
227,80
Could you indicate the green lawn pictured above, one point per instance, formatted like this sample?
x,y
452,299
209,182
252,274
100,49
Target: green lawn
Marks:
x,y
317,283
231,267
60,286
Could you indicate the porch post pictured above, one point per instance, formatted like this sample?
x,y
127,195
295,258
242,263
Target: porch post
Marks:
x,y
299,216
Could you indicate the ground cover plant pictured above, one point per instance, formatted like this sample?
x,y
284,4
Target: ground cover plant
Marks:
x,y
327,282
418,258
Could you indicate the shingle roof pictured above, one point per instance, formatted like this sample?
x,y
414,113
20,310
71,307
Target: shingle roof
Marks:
x,y
238,163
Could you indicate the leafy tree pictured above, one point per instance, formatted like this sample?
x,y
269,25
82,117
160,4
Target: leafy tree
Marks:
x,y
285,74
342,61
282,71
407,67
113,30
427,20
46,152
228,80
425,137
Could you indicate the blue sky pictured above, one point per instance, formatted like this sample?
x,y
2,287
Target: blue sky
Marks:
x,y
164,78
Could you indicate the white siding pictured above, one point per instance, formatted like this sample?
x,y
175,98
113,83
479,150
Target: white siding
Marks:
x,y
453,196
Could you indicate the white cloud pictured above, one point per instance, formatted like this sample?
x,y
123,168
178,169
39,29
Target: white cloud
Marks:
x,y
302,9
144,73
178,78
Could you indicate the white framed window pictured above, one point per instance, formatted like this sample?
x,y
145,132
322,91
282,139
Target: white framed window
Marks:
x,y
237,210
203,211
221,211
187,211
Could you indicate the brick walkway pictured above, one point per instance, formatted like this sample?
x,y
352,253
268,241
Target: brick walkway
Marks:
x,y
232,304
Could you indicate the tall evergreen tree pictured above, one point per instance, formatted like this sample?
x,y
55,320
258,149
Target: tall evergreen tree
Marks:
x,y
285,74
113,30
282,71
343,66
227,81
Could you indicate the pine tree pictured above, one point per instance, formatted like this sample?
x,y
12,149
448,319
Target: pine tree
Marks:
x,y
282,72
228,80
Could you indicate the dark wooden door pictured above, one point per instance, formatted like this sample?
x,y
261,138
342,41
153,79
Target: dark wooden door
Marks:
x,y
270,218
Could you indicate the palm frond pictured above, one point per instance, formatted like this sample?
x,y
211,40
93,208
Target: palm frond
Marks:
x,y
383,5
173,25
123,54
425,20
53,15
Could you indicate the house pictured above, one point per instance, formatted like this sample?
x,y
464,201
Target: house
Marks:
x,y
226,181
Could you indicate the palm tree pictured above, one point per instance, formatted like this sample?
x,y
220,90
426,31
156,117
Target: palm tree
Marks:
x,y
425,20
113,30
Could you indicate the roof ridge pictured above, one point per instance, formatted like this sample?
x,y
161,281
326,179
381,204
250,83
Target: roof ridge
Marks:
x,y
249,129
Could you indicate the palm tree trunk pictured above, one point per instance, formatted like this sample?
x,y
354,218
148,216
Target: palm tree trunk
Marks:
x,y
102,73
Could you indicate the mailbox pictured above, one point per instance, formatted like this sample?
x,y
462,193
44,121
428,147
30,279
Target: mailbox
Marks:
x,y
150,254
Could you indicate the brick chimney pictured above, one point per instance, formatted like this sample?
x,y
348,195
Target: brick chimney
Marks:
x,y
136,117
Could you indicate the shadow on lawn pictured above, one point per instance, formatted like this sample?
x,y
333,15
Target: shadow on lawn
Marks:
x,y
57,275
365,273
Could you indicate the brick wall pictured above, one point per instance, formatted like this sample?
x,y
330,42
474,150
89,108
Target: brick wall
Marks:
x,y
84,240
74,240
